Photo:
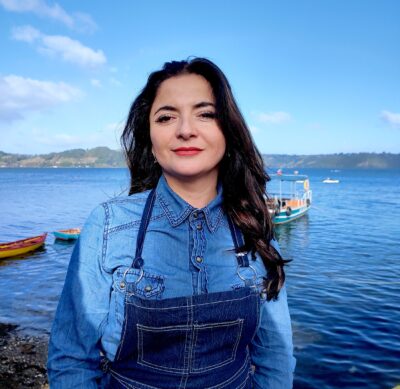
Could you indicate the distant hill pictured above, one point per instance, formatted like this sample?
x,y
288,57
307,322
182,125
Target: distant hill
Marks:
x,y
97,157
335,161
105,157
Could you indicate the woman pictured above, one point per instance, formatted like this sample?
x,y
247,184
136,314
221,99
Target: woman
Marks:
x,y
179,284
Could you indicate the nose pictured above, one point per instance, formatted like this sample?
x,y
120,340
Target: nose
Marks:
x,y
186,128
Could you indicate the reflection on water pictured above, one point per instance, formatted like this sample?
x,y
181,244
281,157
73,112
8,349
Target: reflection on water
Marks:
x,y
13,261
343,282
294,233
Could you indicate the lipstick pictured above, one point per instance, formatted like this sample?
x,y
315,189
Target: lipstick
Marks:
x,y
187,151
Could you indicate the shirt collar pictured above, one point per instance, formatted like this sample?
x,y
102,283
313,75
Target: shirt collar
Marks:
x,y
178,210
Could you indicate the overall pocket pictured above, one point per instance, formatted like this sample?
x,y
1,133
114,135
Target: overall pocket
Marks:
x,y
134,282
162,348
208,346
215,344
139,282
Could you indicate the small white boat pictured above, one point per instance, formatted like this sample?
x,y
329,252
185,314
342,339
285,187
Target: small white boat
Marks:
x,y
330,181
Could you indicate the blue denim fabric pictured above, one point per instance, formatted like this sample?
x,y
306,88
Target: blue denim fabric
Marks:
x,y
188,252
196,341
187,342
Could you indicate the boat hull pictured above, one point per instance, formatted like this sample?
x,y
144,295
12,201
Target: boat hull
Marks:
x,y
22,246
71,234
282,217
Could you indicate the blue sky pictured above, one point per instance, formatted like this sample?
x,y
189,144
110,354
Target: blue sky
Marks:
x,y
310,76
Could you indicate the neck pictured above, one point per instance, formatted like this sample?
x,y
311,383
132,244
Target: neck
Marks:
x,y
197,192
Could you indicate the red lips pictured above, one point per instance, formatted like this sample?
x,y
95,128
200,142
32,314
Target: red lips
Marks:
x,y
187,151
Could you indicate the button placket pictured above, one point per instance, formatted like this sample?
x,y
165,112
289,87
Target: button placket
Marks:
x,y
198,233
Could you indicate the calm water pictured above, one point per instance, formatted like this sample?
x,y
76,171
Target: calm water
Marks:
x,y
343,282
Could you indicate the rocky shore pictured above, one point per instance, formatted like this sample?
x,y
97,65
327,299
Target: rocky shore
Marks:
x,y
22,359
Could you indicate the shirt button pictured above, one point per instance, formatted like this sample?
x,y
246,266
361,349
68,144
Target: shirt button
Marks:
x,y
199,227
199,259
148,288
195,215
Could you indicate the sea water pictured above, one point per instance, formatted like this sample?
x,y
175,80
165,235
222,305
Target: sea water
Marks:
x,y
343,282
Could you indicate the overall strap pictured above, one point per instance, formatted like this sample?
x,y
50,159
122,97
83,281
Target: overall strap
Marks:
x,y
242,259
148,208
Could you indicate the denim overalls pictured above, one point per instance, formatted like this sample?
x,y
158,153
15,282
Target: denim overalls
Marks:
x,y
200,341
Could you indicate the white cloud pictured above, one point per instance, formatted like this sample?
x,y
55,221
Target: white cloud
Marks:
x,y
73,51
68,49
115,82
273,117
25,138
84,22
392,118
59,141
254,129
19,95
96,83
26,34
116,127
77,21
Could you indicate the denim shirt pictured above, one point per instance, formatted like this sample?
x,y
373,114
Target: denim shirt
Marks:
x,y
187,251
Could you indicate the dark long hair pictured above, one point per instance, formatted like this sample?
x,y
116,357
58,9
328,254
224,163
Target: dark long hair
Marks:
x,y
241,170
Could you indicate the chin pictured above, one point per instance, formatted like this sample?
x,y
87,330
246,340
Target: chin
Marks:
x,y
186,174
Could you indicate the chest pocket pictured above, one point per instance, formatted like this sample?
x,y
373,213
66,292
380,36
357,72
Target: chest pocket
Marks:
x,y
164,348
139,282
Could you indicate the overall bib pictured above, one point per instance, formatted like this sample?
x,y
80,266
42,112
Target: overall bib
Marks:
x,y
200,341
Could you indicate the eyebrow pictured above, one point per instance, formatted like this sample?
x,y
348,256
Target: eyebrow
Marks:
x,y
202,104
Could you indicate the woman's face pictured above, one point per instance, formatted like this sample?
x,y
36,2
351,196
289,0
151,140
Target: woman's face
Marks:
x,y
187,141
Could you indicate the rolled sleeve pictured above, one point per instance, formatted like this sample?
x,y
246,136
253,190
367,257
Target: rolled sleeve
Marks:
x,y
74,351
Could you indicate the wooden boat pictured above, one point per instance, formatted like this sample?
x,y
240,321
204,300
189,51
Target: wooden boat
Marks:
x,y
70,234
22,246
290,199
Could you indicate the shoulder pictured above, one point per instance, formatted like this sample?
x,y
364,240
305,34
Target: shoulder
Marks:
x,y
132,202
119,210
112,226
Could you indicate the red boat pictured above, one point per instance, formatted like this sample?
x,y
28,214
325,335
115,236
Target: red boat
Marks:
x,y
22,246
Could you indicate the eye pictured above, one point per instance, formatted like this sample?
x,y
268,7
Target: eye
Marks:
x,y
208,115
163,118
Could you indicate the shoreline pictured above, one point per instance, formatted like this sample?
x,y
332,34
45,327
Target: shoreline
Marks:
x,y
23,359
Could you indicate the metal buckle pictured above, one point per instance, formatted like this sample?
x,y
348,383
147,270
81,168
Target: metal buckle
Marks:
x,y
243,278
241,254
139,278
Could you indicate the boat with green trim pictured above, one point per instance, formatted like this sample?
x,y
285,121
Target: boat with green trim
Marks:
x,y
70,234
290,198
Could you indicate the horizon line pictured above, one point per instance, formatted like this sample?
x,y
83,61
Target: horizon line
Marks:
x,y
120,150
